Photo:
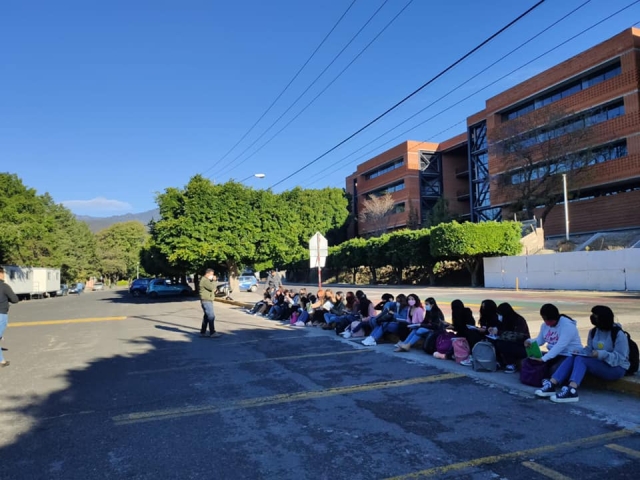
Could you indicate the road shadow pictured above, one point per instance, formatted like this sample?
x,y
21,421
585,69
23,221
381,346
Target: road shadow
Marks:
x,y
123,296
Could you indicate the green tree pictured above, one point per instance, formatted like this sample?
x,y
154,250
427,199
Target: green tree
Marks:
x,y
118,249
470,242
439,213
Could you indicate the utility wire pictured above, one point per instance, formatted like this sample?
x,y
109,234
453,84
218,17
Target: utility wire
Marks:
x,y
415,92
312,83
564,17
233,167
284,89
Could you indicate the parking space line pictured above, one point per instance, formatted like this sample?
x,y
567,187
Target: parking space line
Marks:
x,y
171,413
242,362
625,450
63,322
453,467
547,472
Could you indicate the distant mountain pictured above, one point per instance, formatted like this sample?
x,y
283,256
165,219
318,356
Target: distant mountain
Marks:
x,y
99,223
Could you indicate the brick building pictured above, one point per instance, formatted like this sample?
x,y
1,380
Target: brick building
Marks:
x,y
592,99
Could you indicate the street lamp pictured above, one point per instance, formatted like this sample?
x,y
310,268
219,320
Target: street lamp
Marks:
x,y
257,175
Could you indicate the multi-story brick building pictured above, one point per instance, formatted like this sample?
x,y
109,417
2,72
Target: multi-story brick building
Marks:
x,y
595,93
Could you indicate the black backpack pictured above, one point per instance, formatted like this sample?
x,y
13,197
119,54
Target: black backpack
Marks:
x,y
634,353
429,345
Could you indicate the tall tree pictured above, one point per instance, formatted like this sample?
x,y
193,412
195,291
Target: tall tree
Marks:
x,y
375,213
118,248
554,141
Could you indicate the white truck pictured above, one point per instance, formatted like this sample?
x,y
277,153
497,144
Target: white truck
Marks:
x,y
32,282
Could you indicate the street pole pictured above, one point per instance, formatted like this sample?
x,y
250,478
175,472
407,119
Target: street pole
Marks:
x,y
566,206
319,267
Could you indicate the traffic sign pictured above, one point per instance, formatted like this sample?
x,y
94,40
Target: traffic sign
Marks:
x,y
318,252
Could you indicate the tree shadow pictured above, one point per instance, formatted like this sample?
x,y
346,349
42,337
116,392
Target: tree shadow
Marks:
x,y
123,296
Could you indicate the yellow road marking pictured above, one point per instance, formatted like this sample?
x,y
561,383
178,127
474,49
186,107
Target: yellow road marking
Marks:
x,y
62,322
628,451
514,455
170,413
547,472
259,360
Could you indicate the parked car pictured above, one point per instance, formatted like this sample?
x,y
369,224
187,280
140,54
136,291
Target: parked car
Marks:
x,y
76,288
139,286
163,287
223,289
64,290
98,286
248,283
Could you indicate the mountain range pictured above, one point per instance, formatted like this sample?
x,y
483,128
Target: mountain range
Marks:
x,y
99,223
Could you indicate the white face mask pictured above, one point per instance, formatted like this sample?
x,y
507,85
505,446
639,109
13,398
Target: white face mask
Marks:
x,y
499,317
427,307
411,302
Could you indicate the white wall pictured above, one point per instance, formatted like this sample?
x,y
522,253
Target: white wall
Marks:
x,y
609,270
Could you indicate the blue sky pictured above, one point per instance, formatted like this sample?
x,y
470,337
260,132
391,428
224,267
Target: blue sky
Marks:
x,y
103,104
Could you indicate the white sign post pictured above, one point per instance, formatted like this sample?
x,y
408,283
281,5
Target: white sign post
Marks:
x,y
318,251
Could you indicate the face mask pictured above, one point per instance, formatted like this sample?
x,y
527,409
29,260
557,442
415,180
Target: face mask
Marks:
x,y
427,308
499,318
411,302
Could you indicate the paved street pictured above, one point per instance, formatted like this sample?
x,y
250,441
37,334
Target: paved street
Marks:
x,y
107,386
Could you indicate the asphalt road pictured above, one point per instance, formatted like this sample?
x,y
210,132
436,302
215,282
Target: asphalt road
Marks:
x,y
106,386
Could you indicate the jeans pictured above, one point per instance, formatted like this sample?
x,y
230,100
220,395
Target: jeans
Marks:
x,y
574,368
379,331
208,318
416,335
4,320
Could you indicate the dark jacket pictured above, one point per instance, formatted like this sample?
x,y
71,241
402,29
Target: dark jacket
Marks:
x,y
6,296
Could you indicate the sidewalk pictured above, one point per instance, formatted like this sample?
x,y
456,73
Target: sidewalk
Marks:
x,y
626,385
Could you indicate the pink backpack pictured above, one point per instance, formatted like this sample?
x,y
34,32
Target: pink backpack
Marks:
x,y
461,349
294,318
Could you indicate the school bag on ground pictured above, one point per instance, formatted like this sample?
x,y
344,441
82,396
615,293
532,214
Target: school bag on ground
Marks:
x,y
532,372
444,343
634,353
429,345
461,349
484,357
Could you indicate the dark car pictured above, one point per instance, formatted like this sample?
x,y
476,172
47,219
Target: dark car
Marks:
x,y
64,290
159,287
139,286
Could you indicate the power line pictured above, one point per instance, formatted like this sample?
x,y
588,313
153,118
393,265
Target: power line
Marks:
x,y
335,58
366,47
285,88
416,91
564,17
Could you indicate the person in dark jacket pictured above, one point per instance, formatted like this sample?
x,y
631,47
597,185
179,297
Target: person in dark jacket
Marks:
x,y
512,330
6,296
207,290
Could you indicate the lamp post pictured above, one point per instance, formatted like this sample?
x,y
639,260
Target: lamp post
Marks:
x,y
566,206
256,175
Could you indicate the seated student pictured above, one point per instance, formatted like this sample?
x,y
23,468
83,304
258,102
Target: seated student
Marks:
x,y
606,356
464,326
395,316
366,313
488,316
335,312
433,321
350,315
560,334
512,329
306,310
385,301
262,305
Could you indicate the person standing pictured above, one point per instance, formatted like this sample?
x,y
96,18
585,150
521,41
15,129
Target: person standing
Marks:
x,y
207,290
6,296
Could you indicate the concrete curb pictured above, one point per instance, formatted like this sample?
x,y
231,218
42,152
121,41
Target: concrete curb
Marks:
x,y
626,385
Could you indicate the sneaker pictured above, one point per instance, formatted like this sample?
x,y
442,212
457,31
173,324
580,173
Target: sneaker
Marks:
x,y
204,335
215,335
467,363
346,334
439,355
6,363
510,369
369,341
548,389
566,395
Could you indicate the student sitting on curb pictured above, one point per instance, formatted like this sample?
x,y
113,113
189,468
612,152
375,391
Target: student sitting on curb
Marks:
x,y
606,356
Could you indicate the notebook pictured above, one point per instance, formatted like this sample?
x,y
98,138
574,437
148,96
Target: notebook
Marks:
x,y
533,350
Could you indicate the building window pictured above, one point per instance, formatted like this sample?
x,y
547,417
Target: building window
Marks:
x,y
570,124
398,208
389,167
569,88
395,187
581,159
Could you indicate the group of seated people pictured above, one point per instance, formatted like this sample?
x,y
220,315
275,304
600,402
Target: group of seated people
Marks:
x,y
407,317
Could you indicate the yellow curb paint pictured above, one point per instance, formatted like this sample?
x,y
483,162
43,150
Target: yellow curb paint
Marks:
x,y
171,413
453,467
547,472
625,450
242,362
64,322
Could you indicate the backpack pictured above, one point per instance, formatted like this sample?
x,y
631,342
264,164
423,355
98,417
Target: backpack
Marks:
x,y
429,345
634,353
484,357
444,343
461,349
